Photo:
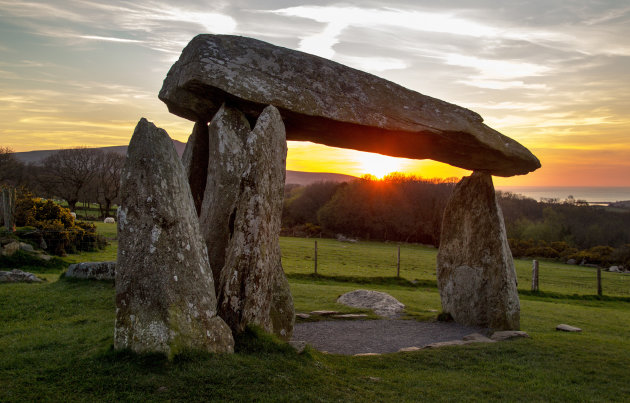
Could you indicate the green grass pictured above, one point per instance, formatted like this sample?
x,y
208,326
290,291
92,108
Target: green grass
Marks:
x,y
378,259
56,342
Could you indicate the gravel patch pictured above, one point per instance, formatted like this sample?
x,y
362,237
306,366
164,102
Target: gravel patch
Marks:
x,y
377,336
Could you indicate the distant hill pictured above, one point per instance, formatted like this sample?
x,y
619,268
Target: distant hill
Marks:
x,y
306,178
293,177
35,157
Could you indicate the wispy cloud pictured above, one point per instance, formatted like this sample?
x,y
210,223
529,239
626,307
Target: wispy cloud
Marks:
x,y
109,39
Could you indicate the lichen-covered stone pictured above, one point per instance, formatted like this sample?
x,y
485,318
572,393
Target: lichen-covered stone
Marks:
x,y
195,161
252,288
381,303
18,276
92,270
329,103
165,298
475,269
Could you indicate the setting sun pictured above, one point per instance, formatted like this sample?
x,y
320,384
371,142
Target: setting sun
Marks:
x,y
379,165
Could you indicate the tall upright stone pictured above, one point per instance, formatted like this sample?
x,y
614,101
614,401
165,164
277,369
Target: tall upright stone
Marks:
x,y
475,269
165,296
195,161
240,220
252,259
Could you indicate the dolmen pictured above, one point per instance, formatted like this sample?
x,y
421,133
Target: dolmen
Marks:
x,y
199,256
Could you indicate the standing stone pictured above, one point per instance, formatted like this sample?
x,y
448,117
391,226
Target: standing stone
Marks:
x,y
195,161
475,273
240,220
226,167
165,298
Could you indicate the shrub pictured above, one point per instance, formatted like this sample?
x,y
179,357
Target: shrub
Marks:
x,y
48,223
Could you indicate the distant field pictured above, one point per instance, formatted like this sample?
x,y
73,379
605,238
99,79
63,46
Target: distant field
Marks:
x,y
378,259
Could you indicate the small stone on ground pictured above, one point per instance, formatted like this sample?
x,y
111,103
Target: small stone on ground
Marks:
x,y
381,303
18,276
478,338
324,313
508,334
567,328
302,315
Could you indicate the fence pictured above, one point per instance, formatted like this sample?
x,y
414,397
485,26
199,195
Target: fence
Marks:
x,y
330,257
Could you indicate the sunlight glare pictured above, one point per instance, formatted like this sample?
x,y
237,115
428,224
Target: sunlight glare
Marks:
x,y
379,165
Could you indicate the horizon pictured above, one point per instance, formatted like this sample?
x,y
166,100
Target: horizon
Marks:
x,y
552,77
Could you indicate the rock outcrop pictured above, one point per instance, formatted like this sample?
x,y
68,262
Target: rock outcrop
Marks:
x,y
381,303
475,269
92,270
18,276
165,297
329,103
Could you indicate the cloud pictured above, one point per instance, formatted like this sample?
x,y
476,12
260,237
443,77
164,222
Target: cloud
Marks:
x,y
108,39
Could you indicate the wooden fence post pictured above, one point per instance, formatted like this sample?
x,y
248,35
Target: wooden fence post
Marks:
x,y
398,263
535,276
315,257
599,281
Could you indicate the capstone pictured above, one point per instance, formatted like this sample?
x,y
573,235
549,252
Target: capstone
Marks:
x,y
325,102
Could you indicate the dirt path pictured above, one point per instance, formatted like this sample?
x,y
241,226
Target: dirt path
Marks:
x,y
377,336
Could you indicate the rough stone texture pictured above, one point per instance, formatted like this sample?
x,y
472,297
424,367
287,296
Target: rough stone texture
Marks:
x,y
329,103
477,338
27,247
446,344
10,248
195,161
324,312
240,216
475,272
567,328
408,349
508,334
165,298
18,276
92,270
381,303
109,220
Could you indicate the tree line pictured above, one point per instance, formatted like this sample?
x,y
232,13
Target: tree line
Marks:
x,y
74,175
396,208
410,209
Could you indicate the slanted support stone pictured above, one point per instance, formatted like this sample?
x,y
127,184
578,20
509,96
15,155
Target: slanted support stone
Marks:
x,y
240,218
475,269
165,297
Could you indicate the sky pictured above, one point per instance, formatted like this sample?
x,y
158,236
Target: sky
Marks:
x,y
555,76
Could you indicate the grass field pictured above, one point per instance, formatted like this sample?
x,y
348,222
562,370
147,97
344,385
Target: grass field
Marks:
x,y
56,342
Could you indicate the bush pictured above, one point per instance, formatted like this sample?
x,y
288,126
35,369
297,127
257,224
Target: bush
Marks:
x,y
48,224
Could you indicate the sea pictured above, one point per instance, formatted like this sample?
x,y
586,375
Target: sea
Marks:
x,y
593,195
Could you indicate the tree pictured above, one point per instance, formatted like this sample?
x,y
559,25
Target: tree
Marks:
x,y
67,173
11,168
108,180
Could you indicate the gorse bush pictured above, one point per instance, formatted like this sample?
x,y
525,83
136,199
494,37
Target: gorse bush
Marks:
x,y
53,226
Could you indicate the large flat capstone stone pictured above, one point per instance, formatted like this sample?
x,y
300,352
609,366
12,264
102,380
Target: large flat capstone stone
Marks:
x,y
329,103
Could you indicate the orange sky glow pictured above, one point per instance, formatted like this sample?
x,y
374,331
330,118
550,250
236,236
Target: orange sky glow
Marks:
x,y
556,81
